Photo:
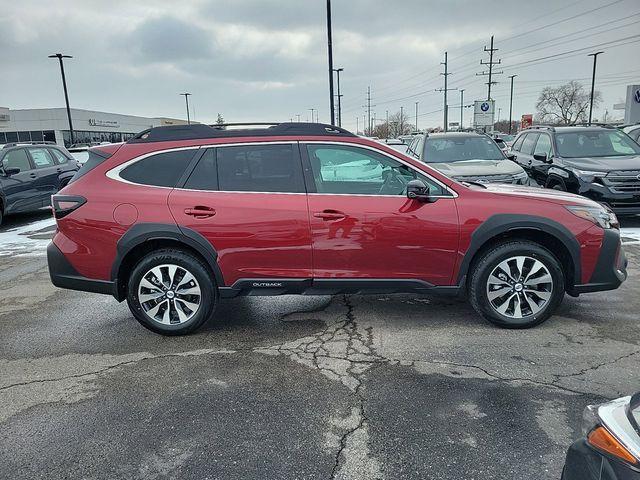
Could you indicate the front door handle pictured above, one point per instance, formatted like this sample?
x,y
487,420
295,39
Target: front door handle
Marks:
x,y
330,215
33,175
200,212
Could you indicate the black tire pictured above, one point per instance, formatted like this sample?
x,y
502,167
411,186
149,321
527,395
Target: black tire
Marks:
x,y
482,269
205,280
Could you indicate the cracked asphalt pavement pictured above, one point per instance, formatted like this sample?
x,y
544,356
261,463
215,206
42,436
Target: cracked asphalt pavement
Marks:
x,y
344,387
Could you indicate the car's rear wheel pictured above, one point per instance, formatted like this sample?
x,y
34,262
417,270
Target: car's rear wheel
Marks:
x,y
171,292
516,285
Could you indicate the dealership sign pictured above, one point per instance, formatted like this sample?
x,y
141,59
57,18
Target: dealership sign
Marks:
x,y
94,122
483,113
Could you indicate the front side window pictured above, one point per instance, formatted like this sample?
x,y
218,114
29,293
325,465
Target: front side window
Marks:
x,y
456,149
17,159
260,168
543,147
41,157
352,170
529,143
160,170
595,143
518,143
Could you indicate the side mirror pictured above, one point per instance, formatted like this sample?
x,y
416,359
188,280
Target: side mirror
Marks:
x,y
417,190
542,157
511,156
11,171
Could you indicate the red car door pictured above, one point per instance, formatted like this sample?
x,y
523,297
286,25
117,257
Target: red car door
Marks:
x,y
249,202
364,226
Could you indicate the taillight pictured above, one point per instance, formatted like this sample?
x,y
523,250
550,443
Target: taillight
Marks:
x,y
63,205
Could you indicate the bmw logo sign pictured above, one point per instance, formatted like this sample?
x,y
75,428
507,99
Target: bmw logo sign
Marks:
x,y
637,96
485,105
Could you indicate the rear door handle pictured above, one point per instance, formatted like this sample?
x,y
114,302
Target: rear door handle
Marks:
x,y
200,212
33,175
329,215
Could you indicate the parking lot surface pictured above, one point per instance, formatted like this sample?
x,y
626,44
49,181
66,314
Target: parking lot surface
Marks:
x,y
345,387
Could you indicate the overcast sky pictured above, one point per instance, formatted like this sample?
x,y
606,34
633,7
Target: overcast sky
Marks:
x,y
253,60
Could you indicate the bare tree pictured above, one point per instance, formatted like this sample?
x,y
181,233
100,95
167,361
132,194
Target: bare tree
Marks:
x,y
397,125
567,104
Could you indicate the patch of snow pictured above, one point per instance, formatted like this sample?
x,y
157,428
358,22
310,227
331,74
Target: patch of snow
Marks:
x,y
19,241
630,236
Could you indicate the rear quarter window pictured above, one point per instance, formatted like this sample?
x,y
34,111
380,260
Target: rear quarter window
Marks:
x,y
159,170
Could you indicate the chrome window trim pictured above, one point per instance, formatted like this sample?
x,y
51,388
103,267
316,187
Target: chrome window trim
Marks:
x,y
453,193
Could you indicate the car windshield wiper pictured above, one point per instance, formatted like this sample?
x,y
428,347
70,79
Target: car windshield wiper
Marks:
x,y
474,183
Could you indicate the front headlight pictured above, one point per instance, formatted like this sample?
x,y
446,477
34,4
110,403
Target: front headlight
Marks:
x,y
587,175
597,215
521,178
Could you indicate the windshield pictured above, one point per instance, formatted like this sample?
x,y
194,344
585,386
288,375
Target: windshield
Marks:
x,y
457,149
598,143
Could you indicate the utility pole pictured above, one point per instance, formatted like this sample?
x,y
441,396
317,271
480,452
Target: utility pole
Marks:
x,y
461,108
511,102
298,115
499,112
369,109
388,129
401,120
330,52
445,90
186,99
338,70
357,124
490,64
312,110
416,116
60,56
593,83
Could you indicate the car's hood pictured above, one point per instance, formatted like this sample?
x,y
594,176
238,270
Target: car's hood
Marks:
x,y
604,164
478,167
554,196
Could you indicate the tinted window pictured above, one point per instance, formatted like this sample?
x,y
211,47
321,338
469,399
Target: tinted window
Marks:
x,y
58,156
41,157
528,143
17,159
518,143
598,143
205,175
160,170
460,148
352,170
259,168
543,146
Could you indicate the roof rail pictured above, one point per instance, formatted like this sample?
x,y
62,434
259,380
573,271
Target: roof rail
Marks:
x,y
592,124
17,144
200,131
548,127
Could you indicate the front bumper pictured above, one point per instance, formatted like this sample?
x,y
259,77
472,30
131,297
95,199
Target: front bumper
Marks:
x,y
621,203
586,463
63,275
611,268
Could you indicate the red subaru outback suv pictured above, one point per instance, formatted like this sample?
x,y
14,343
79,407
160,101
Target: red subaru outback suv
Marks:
x,y
179,217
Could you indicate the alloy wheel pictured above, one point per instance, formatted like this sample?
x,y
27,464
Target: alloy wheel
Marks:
x,y
169,294
519,287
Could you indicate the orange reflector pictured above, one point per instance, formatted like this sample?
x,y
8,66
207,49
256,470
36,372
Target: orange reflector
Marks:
x,y
603,440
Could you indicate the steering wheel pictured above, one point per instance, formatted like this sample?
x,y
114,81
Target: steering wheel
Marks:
x,y
394,183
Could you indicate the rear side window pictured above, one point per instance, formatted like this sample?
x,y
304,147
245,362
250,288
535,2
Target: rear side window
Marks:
x,y
205,175
260,168
58,156
528,143
160,170
41,157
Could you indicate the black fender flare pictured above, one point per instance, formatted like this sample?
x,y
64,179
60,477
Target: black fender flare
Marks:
x,y
502,223
143,232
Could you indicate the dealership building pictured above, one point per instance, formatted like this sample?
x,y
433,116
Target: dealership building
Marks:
x,y
52,124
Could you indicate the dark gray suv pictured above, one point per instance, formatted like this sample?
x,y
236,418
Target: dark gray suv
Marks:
x,y
30,174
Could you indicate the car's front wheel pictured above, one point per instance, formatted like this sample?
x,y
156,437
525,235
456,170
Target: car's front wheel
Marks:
x,y
171,292
517,284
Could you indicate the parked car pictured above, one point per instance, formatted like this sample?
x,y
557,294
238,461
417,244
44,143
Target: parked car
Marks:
x,y
181,216
396,144
503,141
598,162
467,157
30,173
633,131
406,139
610,446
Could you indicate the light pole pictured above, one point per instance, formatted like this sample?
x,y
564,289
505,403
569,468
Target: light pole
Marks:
x,y
461,108
312,110
511,102
186,100
60,56
416,116
338,70
298,115
330,54
401,120
593,82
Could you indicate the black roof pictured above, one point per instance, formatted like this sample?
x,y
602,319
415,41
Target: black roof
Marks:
x,y
201,131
